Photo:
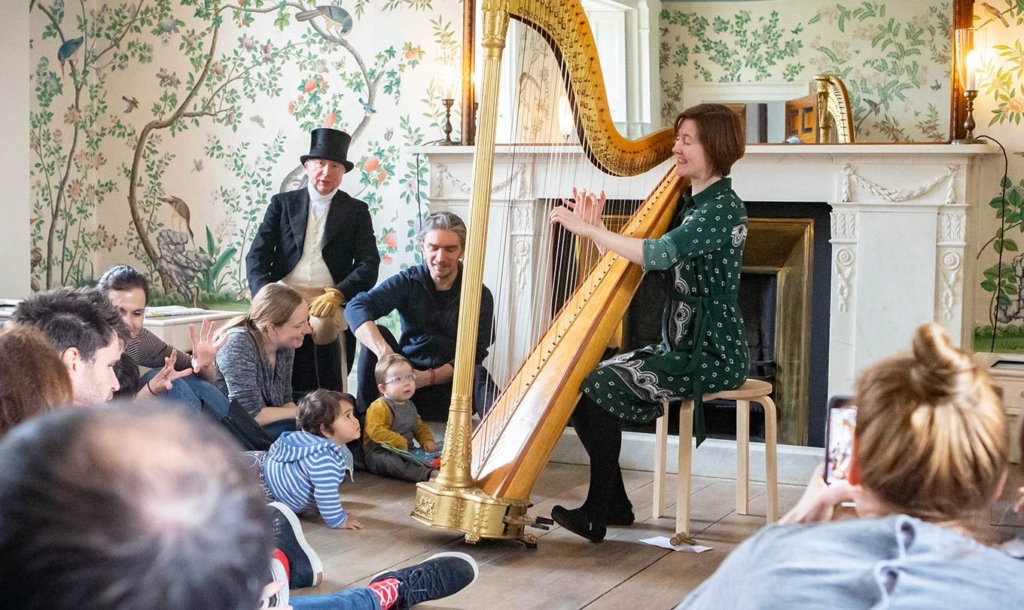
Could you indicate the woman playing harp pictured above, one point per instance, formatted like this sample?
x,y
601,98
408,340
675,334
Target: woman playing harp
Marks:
x,y
703,346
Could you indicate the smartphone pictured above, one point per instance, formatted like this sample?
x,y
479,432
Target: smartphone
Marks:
x,y
839,427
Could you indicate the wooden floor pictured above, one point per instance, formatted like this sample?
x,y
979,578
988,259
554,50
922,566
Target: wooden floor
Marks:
x,y
564,571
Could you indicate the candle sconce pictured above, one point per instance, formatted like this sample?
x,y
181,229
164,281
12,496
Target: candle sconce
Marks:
x,y
447,90
968,41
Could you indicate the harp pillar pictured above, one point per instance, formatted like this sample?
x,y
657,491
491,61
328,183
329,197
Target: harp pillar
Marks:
x,y
452,500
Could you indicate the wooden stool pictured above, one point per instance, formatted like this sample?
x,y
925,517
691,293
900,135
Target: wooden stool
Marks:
x,y
751,391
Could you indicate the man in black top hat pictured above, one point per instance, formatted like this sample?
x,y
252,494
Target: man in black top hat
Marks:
x,y
320,241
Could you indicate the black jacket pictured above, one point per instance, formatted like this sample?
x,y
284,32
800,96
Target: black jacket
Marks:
x,y
349,246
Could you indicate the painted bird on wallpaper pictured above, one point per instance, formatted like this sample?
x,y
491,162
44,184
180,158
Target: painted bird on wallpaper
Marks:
x,y
180,211
68,51
337,18
996,14
132,101
367,108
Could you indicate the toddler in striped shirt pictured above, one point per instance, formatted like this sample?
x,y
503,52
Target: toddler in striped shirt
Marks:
x,y
303,469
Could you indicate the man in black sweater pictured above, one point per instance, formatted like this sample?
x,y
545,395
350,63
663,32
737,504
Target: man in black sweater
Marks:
x,y
427,300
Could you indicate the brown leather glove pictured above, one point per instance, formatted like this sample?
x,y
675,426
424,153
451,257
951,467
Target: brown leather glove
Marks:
x,y
327,304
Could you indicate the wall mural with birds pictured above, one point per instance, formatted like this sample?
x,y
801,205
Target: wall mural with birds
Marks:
x,y
893,56
161,128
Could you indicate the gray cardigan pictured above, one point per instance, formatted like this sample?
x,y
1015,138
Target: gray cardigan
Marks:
x,y
244,373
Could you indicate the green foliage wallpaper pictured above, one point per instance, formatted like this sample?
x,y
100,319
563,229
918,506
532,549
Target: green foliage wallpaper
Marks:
x,y
998,111
161,128
893,56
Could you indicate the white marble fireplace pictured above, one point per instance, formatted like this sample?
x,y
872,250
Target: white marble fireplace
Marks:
x,y
899,230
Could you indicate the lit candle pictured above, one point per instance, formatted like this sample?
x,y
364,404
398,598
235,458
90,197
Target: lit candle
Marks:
x,y
972,70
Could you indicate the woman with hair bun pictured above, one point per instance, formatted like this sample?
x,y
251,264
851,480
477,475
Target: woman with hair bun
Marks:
x,y
929,457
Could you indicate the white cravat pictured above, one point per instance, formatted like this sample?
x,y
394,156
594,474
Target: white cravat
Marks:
x,y
319,204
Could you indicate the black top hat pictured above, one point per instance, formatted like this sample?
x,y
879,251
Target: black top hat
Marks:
x,y
329,144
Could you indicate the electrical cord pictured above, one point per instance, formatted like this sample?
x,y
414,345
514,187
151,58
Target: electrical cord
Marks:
x,y
993,310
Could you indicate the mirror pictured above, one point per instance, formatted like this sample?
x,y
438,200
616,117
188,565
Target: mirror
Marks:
x,y
895,59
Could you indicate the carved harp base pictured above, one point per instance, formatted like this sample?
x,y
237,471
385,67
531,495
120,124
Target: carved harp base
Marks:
x,y
473,512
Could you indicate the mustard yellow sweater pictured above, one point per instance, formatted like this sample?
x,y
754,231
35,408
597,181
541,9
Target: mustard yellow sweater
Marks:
x,y
378,427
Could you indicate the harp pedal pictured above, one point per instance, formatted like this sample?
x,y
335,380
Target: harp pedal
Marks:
x,y
527,521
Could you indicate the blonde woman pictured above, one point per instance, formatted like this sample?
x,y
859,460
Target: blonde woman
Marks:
x,y
255,365
929,457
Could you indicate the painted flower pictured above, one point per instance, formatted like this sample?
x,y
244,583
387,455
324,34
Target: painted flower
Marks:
x,y
74,189
382,176
387,260
371,164
247,43
168,25
80,158
413,53
1016,104
291,107
311,84
97,160
391,239
71,116
330,119
266,52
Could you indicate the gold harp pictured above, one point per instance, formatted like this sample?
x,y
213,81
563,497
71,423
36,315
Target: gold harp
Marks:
x,y
486,478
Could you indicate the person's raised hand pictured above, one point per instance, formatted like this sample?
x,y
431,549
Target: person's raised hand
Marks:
x,y
164,380
205,345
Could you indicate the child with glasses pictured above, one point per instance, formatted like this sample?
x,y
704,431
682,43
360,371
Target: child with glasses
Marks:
x,y
392,423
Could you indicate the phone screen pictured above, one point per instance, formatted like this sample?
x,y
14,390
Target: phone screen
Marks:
x,y
842,418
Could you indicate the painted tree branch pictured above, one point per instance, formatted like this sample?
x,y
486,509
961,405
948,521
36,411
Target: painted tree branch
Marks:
x,y
163,123
371,84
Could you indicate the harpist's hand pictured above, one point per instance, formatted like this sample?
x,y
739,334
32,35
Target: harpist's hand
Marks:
x,y
587,206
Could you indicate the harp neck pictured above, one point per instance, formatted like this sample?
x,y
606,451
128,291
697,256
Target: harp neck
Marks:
x,y
564,25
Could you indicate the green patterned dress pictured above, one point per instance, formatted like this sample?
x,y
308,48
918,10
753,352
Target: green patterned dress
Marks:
x,y
704,345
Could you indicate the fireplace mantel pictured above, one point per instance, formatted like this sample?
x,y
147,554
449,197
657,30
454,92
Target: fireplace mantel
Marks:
x,y
899,230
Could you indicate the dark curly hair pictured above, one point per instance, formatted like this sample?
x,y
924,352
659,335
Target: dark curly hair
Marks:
x,y
321,408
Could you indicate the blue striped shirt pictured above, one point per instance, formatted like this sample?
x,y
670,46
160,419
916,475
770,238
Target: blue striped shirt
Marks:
x,y
303,470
